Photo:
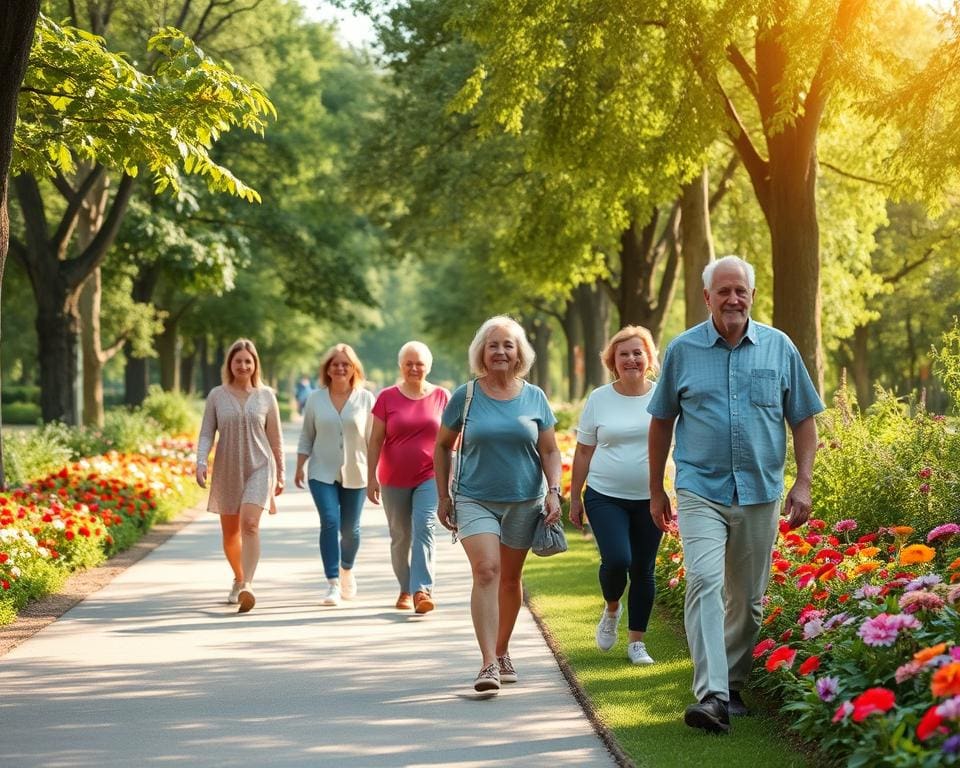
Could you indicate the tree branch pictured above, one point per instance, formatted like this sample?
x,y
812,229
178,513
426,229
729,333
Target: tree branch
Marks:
x,y
740,63
724,184
855,177
76,270
755,165
75,199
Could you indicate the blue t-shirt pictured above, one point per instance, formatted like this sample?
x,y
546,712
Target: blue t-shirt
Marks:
x,y
731,406
500,460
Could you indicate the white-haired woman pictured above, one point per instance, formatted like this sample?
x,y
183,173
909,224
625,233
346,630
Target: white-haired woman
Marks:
x,y
406,419
248,467
508,447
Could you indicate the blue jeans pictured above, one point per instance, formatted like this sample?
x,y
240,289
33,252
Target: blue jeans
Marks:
x,y
412,515
628,541
339,510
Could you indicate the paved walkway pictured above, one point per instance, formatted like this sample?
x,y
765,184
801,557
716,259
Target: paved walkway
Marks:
x,y
155,669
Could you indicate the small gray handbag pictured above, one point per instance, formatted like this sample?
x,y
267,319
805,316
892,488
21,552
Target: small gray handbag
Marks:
x,y
548,539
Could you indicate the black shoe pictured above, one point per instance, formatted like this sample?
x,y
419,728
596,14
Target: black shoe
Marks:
x,y
737,707
710,715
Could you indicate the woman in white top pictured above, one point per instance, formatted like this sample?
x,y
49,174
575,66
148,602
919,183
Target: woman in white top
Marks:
x,y
336,426
611,457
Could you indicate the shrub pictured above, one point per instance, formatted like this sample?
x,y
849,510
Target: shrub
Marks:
x,y
30,455
173,411
20,393
568,414
21,413
128,431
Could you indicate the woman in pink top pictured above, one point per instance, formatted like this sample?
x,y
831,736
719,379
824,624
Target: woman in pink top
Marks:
x,y
406,419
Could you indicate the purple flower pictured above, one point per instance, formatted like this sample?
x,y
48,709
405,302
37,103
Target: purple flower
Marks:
x,y
950,709
867,591
955,653
927,580
837,618
828,688
882,630
845,525
813,628
943,532
952,745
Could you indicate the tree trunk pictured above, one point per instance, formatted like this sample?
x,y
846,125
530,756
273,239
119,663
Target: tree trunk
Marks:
x,y
573,330
594,309
17,22
538,334
795,247
58,330
92,360
696,245
168,352
89,223
187,366
136,373
860,365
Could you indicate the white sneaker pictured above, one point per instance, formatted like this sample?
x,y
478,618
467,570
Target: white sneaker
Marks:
x,y
637,653
234,597
333,594
348,584
607,628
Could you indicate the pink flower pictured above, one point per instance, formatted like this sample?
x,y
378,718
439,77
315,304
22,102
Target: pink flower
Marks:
x,y
943,532
912,602
845,525
907,671
763,646
882,630
842,712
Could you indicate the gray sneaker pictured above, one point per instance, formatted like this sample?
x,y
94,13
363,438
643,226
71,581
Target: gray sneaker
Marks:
x,y
637,653
607,628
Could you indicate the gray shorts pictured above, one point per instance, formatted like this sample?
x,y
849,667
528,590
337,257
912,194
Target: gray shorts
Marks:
x,y
513,521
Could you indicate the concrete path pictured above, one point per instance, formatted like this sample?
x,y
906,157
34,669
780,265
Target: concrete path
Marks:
x,y
156,669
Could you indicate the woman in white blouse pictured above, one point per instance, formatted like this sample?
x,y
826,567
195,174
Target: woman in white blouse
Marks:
x,y
611,458
336,425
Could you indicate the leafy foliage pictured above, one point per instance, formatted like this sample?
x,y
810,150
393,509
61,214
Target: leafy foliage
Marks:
x,y
81,102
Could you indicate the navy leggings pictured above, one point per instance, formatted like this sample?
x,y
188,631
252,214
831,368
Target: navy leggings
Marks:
x,y
628,542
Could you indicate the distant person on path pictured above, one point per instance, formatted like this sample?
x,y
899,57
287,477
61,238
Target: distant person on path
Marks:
x,y
406,419
248,466
611,457
302,392
336,425
508,445
730,384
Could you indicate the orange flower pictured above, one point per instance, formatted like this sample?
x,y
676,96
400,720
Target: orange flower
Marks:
x,y
869,551
954,564
773,615
900,530
917,553
925,654
866,567
946,680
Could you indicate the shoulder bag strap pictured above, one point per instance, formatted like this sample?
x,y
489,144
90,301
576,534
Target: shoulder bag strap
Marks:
x,y
463,431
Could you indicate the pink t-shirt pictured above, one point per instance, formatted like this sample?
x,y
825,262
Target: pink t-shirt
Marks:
x,y
406,459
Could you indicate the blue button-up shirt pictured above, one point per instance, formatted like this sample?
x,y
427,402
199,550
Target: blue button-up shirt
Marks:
x,y
731,405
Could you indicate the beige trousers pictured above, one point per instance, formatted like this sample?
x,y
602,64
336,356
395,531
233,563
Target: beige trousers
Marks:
x,y
726,556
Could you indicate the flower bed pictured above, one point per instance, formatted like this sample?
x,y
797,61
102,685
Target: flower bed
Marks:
x,y
83,514
859,640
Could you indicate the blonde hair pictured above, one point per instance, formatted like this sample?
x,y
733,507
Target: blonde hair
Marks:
x,y
609,354
226,374
525,353
356,379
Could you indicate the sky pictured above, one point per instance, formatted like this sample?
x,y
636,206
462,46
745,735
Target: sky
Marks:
x,y
351,29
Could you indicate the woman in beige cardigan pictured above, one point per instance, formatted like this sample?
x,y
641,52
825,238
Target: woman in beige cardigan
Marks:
x,y
336,425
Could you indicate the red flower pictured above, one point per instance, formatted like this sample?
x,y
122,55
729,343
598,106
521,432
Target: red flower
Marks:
x,y
781,657
762,647
930,724
786,635
4,557
810,665
842,711
5,584
872,701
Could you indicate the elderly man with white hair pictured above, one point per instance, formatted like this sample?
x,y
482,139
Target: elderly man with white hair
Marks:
x,y
731,385
406,419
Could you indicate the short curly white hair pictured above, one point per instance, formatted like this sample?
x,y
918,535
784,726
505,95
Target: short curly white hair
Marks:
x,y
731,260
417,346
525,353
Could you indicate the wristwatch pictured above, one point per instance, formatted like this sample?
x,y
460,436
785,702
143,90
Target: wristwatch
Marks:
x,y
555,489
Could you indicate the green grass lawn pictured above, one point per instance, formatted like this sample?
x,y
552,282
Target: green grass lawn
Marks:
x,y
642,706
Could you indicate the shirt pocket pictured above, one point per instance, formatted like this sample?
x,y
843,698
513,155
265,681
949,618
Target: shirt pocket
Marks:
x,y
763,387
